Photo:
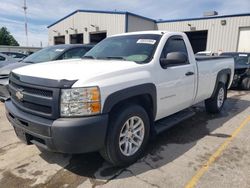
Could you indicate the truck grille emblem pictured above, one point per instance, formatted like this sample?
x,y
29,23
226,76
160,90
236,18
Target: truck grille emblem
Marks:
x,y
19,95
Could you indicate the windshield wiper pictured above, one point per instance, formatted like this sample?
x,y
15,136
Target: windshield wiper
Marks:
x,y
28,61
88,57
114,57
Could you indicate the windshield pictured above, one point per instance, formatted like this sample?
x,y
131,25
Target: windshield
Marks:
x,y
46,54
242,59
138,48
239,59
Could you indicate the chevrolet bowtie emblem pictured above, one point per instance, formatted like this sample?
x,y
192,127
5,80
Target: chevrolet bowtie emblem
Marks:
x,y
19,95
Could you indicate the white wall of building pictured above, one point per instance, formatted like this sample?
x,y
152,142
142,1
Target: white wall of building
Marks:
x,y
82,21
220,37
139,24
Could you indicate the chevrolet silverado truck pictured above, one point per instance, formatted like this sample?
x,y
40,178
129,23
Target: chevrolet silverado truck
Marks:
x,y
126,89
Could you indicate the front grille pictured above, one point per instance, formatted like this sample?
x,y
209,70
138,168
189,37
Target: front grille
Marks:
x,y
33,91
32,106
34,99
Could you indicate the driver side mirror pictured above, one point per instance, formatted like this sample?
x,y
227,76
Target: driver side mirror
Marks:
x,y
174,58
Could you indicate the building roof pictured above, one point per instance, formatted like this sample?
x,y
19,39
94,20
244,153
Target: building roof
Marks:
x,y
146,18
104,12
204,18
153,32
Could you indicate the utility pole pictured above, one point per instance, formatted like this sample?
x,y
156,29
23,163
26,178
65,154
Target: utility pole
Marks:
x,y
26,24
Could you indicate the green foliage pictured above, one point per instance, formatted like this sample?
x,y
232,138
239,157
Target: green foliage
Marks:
x,y
6,38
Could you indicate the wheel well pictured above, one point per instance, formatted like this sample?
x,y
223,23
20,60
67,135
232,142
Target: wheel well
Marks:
x,y
225,78
144,100
227,81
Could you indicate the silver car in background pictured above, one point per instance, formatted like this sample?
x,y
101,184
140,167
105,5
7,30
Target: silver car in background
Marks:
x,y
52,53
16,55
6,60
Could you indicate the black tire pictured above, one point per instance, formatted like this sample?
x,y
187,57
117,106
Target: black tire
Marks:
x,y
111,152
211,104
245,83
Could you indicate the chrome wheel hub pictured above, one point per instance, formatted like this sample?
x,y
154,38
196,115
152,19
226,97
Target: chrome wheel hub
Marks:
x,y
131,136
220,98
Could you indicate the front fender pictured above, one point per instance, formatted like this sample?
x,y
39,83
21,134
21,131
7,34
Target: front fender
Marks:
x,y
121,95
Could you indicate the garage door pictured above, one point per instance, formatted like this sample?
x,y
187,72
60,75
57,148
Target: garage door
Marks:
x,y
198,40
244,40
97,37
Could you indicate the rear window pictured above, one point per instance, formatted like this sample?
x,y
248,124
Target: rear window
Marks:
x,y
239,58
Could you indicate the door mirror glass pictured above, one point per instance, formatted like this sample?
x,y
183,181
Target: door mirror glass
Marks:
x,y
174,59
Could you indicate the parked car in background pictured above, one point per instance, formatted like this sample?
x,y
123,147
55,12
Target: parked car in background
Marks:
x,y
242,69
6,60
52,53
17,56
127,88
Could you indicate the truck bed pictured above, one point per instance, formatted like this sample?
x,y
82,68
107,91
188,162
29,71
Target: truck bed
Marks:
x,y
205,58
208,69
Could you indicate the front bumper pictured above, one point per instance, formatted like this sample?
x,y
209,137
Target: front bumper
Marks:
x,y
64,135
239,75
4,93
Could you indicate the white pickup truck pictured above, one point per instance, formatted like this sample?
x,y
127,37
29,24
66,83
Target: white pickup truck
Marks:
x,y
127,88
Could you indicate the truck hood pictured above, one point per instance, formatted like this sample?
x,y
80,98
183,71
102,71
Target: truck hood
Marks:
x,y
79,69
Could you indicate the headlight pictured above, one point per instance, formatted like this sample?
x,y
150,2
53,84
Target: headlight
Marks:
x,y
80,101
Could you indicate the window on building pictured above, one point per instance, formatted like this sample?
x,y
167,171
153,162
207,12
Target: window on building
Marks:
x,y
59,40
76,38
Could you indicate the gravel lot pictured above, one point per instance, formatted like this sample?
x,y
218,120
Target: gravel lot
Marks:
x,y
203,151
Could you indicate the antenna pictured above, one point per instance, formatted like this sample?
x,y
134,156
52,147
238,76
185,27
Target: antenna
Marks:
x,y
26,24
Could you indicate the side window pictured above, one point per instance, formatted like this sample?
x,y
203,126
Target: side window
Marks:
x,y
2,58
174,44
74,53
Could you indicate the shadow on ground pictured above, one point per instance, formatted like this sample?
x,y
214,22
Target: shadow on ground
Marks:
x,y
160,151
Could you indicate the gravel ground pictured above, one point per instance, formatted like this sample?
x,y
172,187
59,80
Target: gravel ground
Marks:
x,y
173,159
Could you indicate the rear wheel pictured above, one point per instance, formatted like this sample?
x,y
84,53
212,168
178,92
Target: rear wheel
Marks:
x,y
245,83
127,136
215,103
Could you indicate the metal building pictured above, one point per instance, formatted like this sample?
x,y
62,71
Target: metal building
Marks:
x,y
218,33
86,26
214,33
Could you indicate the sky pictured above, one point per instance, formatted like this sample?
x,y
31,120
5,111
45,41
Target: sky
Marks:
x,y
42,13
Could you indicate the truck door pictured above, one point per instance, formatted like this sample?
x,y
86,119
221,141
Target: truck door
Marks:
x,y
176,83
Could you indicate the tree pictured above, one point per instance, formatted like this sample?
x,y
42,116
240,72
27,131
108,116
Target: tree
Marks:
x,y
6,38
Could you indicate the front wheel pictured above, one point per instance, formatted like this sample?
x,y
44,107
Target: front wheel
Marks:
x,y
127,136
215,103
